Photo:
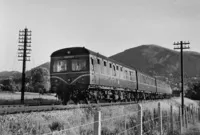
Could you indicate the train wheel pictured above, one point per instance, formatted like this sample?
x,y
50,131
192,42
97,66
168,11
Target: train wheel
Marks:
x,y
71,102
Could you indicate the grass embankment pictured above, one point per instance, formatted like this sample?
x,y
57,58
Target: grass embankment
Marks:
x,y
114,120
192,129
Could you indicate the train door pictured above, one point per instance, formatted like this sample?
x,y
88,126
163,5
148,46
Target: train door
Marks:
x,y
117,75
110,74
98,69
114,75
92,71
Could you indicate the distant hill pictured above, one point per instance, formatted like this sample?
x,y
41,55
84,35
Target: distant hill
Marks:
x,y
44,65
159,61
11,74
16,74
151,59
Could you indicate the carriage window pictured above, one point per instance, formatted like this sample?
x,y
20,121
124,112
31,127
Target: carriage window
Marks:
x,y
104,63
60,66
121,68
110,65
117,67
78,64
98,61
92,61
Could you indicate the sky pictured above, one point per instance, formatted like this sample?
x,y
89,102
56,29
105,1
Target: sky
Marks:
x,y
104,26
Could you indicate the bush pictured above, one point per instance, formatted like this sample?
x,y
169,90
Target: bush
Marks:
x,y
56,126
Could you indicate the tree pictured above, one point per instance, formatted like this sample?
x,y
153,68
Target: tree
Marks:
x,y
40,79
193,91
9,85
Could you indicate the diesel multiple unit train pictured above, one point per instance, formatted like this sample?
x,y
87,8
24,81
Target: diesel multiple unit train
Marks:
x,y
78,74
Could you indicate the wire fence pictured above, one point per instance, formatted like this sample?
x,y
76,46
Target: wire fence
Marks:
x,y
141,121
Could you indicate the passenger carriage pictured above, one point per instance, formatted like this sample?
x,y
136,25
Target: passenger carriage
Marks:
x,y
80,74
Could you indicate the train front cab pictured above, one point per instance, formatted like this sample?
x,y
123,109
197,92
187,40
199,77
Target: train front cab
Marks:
x,y
70,76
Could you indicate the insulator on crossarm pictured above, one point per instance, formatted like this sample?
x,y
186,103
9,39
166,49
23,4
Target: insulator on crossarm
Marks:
x,y
21,38
21,42
21,46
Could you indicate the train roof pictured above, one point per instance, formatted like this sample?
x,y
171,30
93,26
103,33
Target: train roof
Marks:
x,y
85,51
70,51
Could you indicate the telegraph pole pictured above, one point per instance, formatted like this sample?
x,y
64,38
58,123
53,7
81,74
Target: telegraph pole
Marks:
x,y
182,45
24,50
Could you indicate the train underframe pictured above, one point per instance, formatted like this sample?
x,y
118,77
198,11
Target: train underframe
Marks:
x,y
98,94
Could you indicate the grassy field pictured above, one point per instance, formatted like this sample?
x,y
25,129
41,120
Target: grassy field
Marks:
x,y
80,121
8,98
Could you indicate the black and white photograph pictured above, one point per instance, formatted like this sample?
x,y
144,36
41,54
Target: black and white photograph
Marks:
x,y
99,67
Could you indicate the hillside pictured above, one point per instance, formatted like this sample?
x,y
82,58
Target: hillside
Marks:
x,y
44,65
159,61
7,74
16,74
151,59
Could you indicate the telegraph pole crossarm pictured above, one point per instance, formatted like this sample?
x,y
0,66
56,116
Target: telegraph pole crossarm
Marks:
x,y
182,45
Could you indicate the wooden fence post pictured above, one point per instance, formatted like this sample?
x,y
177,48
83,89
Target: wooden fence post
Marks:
x,y
193,114
183,118
139,120
196,114
97,123
125,132
171,120
180,118
160,117
188,113
199,114
186,117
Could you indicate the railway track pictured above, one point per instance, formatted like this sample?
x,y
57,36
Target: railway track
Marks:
x,y
14,109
